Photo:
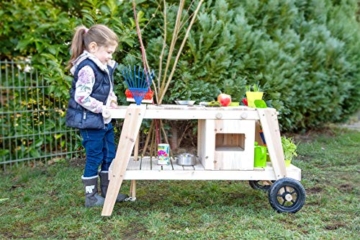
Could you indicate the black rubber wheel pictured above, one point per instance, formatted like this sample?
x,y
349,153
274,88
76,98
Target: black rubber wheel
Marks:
x,y
260,185
287,195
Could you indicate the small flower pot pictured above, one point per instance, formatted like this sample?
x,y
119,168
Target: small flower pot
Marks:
x,y
252,96
287,163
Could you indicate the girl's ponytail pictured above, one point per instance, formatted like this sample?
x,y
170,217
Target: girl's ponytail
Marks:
x,y
77,44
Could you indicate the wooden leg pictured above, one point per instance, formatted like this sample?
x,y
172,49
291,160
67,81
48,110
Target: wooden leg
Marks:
x,y
132,122
136,150
133,189
271,130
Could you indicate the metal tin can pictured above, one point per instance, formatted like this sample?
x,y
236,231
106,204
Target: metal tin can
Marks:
x,y
163,154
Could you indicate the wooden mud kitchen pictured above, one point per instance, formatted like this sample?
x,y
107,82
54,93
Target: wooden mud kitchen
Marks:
x,y
226,137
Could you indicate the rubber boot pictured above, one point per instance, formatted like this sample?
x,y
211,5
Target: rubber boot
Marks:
x,y
92,198
104,184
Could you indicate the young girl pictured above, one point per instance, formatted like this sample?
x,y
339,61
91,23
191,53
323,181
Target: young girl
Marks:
x,y
91,94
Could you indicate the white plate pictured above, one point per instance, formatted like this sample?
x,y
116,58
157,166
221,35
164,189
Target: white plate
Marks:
x,y
185,102
204,103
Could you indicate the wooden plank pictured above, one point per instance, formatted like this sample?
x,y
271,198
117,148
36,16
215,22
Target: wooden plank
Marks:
x,y
189,168
131,126
207,148
176,167
176,112
199,137
133,164
146,163
266,173
201,141
167,167
270,126
198,166
238,138
200,114
232,160
136,149
155,165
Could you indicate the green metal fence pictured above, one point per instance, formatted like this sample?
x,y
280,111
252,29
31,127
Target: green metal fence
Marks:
x,y
32,118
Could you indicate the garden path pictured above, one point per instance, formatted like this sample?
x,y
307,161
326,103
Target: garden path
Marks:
x,y
353,123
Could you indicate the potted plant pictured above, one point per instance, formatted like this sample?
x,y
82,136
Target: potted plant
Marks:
x,y
235,88
253,92
289,148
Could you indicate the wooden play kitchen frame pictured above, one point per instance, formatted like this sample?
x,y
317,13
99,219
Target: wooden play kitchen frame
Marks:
x,y
226,137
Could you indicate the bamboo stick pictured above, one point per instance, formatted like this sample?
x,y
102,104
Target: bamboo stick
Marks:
x,y
152,147
147,139
143,51
164,81
172,46
162,94
163,48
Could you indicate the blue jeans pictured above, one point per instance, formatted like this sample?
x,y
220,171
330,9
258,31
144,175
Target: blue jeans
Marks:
x,y
99,146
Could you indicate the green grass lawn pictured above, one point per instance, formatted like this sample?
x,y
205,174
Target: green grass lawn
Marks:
x,y
46,201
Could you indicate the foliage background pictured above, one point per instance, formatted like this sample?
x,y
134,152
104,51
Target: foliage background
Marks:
x,y
303,53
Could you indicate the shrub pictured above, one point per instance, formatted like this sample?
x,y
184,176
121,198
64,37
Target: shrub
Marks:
x,y
304,54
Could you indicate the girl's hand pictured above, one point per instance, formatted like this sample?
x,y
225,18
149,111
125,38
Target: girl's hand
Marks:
x,y
113,104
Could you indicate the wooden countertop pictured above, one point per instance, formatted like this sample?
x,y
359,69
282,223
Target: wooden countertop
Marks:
x,y
183,112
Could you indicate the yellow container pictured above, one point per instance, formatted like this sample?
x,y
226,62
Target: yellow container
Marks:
x,y
252,96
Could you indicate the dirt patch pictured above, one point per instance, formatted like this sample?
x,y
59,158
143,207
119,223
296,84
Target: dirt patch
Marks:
x,y
346,188
314,190
334,226
77,162
135,229
312,134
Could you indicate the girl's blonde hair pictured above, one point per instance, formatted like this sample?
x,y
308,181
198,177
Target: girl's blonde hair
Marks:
x,y
100,34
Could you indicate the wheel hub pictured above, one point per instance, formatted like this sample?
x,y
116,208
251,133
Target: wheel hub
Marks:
x,y
288,197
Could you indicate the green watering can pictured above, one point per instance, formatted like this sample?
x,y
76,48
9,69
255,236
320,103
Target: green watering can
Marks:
x,y
260,155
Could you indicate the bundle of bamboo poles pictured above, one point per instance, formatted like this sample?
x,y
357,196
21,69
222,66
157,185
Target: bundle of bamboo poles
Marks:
x,y
163,79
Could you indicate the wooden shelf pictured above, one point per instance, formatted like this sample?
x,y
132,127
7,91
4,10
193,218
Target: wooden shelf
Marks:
x,y
147,169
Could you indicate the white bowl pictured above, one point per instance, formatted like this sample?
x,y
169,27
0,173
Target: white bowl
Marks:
x,y
185,102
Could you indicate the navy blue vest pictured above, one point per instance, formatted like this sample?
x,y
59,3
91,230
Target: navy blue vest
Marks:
x,y
76,115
